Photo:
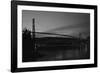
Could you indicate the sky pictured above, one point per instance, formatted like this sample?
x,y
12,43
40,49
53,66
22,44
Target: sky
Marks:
x,y
66,23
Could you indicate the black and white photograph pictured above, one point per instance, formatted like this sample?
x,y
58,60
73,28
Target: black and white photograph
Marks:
x,y
51,36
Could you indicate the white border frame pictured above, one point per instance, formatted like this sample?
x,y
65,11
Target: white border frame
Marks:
x,y
53,63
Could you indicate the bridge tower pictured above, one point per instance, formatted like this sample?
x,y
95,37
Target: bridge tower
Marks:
x,y
33,28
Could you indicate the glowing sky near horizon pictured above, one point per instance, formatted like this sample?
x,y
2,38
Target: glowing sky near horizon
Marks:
x,y
57,22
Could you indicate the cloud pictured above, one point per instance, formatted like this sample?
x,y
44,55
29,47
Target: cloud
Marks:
x,y
81,26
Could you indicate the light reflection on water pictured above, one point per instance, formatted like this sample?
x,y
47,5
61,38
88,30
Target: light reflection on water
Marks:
x,y
62,54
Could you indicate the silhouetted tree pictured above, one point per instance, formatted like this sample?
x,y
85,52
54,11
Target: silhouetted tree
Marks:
x,y
28,47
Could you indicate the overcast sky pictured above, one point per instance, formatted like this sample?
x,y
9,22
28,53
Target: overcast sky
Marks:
x,y
57,22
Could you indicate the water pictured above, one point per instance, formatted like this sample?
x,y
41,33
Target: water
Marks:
x,y
56,53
